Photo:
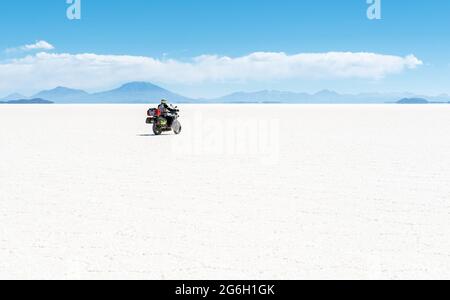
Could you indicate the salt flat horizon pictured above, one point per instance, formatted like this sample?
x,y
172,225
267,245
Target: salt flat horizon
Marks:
x,y
247,191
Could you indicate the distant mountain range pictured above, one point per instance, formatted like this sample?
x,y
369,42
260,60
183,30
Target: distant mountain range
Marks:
x,y
420,101
133,92
26,101
145,92
323,97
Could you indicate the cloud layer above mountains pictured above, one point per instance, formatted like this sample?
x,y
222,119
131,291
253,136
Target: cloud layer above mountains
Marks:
x,y
93,71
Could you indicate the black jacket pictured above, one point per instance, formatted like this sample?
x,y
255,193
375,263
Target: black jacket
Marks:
x,y
164,108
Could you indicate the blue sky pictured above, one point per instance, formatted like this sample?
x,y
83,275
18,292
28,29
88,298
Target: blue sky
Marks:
x,y
181,30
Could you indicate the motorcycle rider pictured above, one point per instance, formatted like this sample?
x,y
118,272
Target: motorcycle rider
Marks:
x,y
165,110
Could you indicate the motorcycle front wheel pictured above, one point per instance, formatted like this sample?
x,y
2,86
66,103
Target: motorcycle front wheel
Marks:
x,y
176,127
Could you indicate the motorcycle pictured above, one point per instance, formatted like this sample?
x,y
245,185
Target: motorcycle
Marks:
x,y
168,122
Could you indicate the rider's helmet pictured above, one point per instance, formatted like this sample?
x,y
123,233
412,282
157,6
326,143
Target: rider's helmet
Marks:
x,y
164,101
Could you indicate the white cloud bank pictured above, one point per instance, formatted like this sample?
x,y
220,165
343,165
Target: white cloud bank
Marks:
x,y
92,71
38,46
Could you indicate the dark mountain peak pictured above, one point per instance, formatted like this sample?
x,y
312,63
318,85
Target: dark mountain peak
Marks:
x,y
139,86
137,92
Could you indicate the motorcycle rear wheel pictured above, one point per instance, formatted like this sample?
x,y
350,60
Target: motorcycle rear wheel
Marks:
x,y
156,129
